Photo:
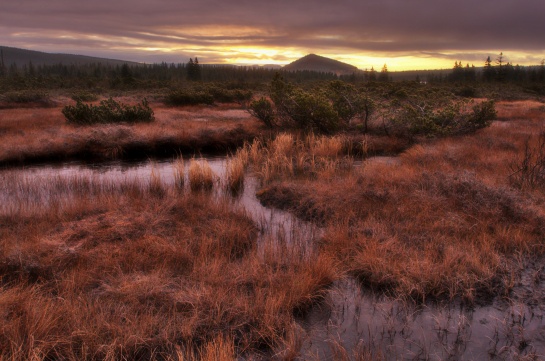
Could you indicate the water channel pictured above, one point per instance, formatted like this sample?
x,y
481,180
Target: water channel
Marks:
x,y
351,320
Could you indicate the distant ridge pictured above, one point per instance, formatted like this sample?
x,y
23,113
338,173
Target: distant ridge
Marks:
x,y
313,62
23,57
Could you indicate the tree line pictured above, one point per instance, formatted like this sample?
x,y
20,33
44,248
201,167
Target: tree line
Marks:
x,y
498,70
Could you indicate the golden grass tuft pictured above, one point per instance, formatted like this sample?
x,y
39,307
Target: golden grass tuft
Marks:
x,y
201,176
179,172
288,156
235,171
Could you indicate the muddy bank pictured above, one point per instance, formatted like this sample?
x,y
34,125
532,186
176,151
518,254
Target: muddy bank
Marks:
x,y
120,147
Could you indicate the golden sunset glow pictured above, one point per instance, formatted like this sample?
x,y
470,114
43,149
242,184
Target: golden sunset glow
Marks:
x,y
364,34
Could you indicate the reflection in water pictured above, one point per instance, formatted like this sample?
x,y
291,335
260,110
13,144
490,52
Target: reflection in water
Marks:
x,y
35,180
354,319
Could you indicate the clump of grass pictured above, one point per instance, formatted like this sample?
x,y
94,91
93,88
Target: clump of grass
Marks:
x,y
235,169
324,146
201,176
156,185
179,172
282,145
108,111
287,155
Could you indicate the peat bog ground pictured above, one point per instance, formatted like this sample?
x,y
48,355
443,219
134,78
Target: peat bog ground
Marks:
x,y
443,234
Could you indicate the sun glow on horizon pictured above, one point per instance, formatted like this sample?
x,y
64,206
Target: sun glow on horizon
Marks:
x,y
247,46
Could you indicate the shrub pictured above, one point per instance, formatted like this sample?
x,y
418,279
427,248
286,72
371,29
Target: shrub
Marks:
x,y
84,97
223,95
309,110
108,111
263,110
528,171
26,96
466,91
189,97
453,118
484,113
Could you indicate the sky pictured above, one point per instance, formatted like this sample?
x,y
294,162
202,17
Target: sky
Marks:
x,y
404,34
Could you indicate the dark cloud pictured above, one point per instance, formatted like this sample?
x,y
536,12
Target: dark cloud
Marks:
x,y
422,28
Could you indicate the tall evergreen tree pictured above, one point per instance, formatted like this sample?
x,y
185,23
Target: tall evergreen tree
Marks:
x,y
488,71
500,74
384,75
193,70
3,70
372,74
198,73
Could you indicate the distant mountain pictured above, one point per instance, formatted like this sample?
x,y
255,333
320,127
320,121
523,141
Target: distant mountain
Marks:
x,y
266,66
313,62
23,56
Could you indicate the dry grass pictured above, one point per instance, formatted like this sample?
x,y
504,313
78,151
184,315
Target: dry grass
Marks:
x,y
41,134
236,168
201,176
287,156
442,222
94,270
179,172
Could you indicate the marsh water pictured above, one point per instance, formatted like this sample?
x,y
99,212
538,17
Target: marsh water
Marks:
x,y
351,320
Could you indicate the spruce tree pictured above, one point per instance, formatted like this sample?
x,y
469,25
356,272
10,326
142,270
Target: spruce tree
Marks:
x,y
373,74
383,76
488,72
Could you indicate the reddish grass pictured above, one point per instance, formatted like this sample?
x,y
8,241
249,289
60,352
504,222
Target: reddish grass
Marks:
x,y
41,134
121,271
443,221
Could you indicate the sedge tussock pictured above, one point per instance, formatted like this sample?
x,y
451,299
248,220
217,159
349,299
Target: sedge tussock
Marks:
x,y
201,176
179,172
235,169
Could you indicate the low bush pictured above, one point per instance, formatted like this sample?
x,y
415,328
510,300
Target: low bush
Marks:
x,y
207,95
456,117
25,96
188,97
263,110
223,95
108,111
308,110
528,171
84,97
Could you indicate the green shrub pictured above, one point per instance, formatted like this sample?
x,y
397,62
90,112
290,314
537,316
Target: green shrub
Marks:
x,y
310,110
450,119
484,113
189,97
263,110
26,96
223,95
108,111
466,91
84,97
